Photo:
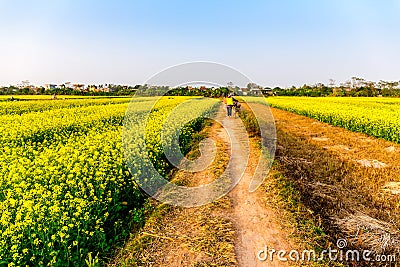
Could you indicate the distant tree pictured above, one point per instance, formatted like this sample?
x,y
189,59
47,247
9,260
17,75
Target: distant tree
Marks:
x,y
252,86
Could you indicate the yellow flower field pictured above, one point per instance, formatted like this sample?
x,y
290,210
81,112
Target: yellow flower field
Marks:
x,y
66,192
379,117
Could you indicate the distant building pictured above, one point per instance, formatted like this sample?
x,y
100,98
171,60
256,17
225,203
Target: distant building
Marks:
x,y
268,91
66,85
244,91
50,86
255,91
78,87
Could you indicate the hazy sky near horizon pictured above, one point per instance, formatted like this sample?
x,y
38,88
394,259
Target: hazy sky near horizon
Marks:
x,y
275,43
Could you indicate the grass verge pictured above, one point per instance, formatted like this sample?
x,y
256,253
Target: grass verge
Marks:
x,y
343,198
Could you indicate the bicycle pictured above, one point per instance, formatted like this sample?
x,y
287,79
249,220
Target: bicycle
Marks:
x,y
236,109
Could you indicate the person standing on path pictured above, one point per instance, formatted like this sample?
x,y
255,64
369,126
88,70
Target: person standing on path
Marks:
x,y
229,104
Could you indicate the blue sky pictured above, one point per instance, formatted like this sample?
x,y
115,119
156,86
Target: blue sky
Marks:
x,y
275,43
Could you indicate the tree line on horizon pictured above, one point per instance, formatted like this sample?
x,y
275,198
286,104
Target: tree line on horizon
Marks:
x,y
355,87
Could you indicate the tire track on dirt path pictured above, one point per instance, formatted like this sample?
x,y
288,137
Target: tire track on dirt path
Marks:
x,y
255,224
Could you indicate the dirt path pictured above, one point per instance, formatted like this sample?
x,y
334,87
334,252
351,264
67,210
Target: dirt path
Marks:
x,y
318,169
255,224
227,232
